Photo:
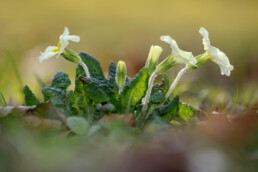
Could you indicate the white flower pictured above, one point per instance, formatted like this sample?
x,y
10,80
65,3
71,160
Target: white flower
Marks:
x,y
59,49
217,56
181,57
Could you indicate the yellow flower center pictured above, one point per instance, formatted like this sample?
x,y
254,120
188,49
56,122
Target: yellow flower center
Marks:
x,y
58,47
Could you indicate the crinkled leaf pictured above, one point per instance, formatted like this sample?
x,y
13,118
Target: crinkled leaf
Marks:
x,y
70,96
111,91
30,98
128,80
78,125
93,66
55,95
85,107
134,91
158,91
186,111
175,111
157,98
79,103
78,89
165,83
112,73
100,91
61,81
170,110
107,107
94,92
167,111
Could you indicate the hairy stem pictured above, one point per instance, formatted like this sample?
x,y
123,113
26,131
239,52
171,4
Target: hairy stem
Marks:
x,y
85,68
120,90
173,85
143,114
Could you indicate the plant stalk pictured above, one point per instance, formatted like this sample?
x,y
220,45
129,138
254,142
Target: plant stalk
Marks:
x,y
173,85
85,68
143,114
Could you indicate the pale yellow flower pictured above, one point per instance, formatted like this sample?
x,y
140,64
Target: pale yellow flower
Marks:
x,y
180,56
59,49
216,55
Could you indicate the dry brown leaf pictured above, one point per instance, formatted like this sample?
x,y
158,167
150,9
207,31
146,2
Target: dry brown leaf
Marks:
x,y
128,118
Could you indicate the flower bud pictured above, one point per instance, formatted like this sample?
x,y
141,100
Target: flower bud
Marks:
x,y
166,64
153,58
71,56
201,59
120,74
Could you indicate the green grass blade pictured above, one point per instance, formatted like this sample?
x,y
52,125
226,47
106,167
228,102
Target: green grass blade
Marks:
x,y
40,81
18,76
2,100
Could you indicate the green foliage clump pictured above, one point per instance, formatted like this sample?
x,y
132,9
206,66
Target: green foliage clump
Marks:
x,y
95,96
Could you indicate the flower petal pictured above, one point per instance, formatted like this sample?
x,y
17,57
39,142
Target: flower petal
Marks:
x,y
65,38
182,57
206,39
166,39
48,53
63,44
50,49
66,32
222,60
73,38
216,55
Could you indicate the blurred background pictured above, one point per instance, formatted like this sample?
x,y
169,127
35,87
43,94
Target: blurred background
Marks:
x,y
125,30
113,30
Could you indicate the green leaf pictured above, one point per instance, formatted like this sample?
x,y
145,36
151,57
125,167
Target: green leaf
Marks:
x,y
167,111
55,95
94,91
134,91
112,72
111,91
79,103
170,110
107,107
165,83
78,125
78,90
70,96
174,111
158,91
128,80
186,111
157,98
30,98
84,107
61,81
93,66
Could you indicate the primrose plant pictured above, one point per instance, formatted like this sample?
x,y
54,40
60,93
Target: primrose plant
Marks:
x,y
95,96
